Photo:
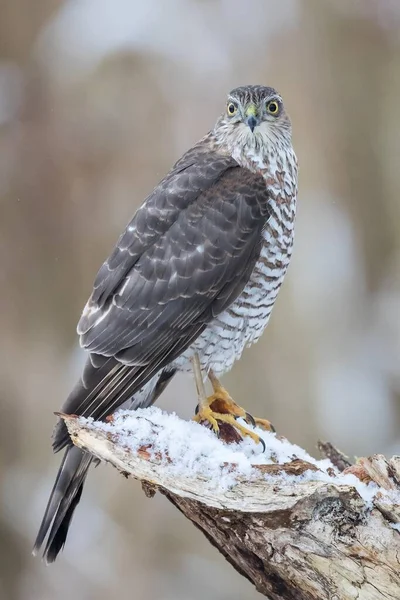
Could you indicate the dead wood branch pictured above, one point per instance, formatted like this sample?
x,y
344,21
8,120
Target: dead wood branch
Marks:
x,y
293,538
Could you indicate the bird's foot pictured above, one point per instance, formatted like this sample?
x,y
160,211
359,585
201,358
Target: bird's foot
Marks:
x,y
264,424
220,408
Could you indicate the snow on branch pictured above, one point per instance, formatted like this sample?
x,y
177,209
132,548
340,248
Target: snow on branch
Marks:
x,y
296,527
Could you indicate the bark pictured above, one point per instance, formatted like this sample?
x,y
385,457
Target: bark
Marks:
x,y
293,540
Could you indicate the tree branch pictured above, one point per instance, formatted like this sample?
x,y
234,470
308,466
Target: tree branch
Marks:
x,y
295,527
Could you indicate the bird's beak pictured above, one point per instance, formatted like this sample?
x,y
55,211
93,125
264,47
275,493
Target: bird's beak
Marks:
x,y
251,117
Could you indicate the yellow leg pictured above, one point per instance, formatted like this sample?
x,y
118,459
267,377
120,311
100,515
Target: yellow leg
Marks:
x,y
221,407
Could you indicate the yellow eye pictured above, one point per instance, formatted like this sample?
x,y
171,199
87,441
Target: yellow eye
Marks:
x,y
273,107
231,108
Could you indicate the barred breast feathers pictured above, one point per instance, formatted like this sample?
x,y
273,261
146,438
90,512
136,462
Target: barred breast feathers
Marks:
x,y
242,324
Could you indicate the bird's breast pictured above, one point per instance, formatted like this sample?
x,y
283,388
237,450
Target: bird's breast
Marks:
x,y
243,322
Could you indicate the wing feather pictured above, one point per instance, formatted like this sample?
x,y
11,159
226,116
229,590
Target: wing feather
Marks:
x,y
185,256
194,173
187,276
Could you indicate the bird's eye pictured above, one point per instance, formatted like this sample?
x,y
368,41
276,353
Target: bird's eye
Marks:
x,y
273,107
231,108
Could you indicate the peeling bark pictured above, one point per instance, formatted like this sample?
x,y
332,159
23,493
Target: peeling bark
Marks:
x,y
305,540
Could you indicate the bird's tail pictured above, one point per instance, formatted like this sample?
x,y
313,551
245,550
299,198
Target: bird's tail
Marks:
x,y
67,489
63,500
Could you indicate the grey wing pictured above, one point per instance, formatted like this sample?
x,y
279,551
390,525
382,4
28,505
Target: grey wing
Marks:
x,y
197,171
169,292
186,277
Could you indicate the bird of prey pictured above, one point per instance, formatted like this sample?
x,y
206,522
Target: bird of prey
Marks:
x,y
191,281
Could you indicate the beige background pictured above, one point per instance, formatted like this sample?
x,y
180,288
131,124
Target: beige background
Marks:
x,y
97,99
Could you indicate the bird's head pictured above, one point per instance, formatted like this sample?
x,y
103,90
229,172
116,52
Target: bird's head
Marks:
x,y
254,117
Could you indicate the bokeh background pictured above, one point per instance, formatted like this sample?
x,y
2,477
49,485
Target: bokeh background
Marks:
x,y
97,99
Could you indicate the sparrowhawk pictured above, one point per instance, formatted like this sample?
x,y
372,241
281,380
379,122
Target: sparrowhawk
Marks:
x,y
192,279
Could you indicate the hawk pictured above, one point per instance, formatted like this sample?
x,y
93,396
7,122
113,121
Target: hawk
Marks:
x,y
191,281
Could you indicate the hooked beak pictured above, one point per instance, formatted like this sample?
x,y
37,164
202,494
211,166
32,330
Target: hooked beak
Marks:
x,y
252,122
251,117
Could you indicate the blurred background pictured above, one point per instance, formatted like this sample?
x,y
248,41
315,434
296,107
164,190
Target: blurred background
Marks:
x,y
97,100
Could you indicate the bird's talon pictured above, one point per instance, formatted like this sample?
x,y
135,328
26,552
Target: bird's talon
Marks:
x,y
263,444
264,424
220,408
250,419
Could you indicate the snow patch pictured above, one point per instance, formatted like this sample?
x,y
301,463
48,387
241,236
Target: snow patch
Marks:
x,y
189,450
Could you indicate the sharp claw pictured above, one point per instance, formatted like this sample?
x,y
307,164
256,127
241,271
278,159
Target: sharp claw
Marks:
x,y
210,416
263,444
250,419
272,428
